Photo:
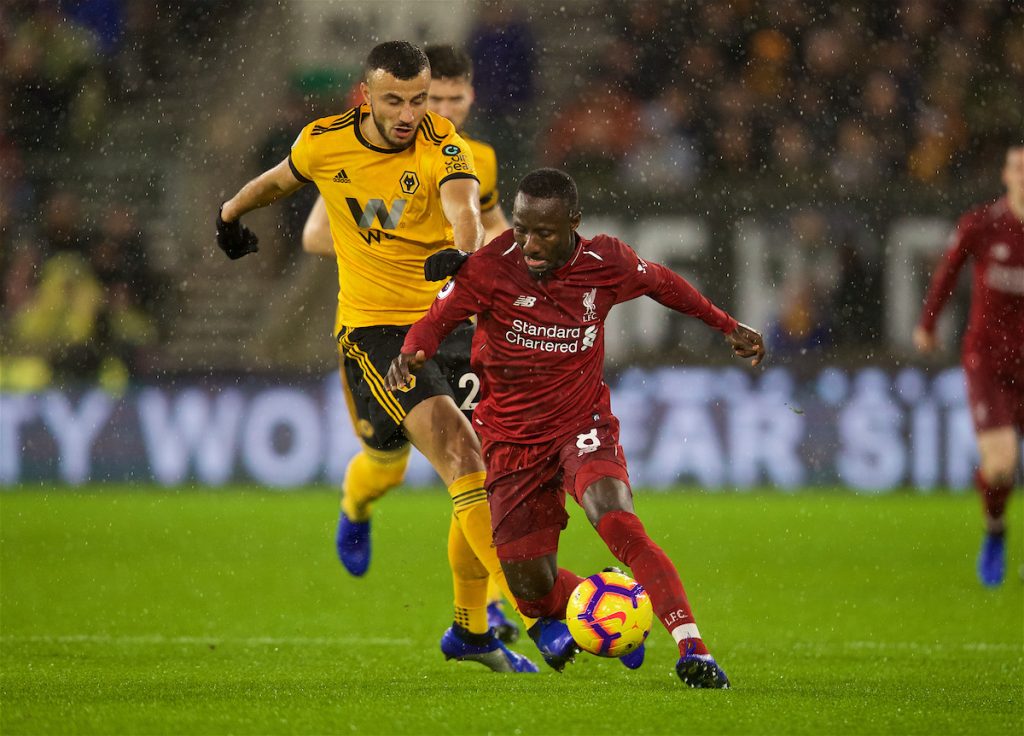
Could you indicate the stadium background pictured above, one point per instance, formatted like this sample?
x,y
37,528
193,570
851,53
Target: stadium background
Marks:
x,y
801,162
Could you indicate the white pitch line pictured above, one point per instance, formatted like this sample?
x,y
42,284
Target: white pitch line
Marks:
x,y
190,640
881,645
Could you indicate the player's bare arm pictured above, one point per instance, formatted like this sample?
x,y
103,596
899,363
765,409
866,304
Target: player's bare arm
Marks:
x,y
232,237
495,223
316,233
402,369
460,201
747,342
265,189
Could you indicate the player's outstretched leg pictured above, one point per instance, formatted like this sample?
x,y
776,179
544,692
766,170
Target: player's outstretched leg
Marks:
x,y
369,475
627,539
459,644
549,633
470,638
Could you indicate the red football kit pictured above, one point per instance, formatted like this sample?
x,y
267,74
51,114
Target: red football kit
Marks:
x,y
993,346
545,411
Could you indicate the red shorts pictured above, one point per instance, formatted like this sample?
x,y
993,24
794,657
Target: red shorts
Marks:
x,y
996,397
526,485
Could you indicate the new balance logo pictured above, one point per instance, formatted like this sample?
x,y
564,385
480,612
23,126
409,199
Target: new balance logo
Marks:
x,y
525,301
375,208
341,178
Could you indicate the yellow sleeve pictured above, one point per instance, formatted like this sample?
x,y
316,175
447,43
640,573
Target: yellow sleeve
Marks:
x,y
299,156
455,161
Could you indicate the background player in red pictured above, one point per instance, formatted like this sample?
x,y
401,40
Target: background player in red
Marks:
x,y
542,294
993,346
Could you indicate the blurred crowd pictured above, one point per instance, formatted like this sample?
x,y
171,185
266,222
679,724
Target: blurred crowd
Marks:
x,y
809,99
820,95
80,299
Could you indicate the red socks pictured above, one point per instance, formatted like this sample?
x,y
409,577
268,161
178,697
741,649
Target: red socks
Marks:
x,y
627,539
993,498
553,604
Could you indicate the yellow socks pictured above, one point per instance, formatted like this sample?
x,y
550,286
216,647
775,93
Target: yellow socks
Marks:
x,y
469,578
474,519
370,475
493,592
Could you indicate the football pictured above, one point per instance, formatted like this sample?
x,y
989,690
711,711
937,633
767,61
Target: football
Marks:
x,y
609,614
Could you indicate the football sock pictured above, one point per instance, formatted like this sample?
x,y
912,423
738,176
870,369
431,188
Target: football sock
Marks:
x,y
553,604
493,592
476,640
469,578
369,475
993,496
627,539
474,517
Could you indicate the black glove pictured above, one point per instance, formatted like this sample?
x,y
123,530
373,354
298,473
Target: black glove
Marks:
x,y
443,264
235,239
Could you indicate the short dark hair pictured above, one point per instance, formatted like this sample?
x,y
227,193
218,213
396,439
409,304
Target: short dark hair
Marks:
x,y
551,184
400,59
448,62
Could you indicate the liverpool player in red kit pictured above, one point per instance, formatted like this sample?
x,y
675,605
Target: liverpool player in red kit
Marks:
x,y
993,347
542,294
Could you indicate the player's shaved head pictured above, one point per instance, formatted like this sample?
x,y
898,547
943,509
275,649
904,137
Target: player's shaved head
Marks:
x,y
551,184
545,215
400,59
448,62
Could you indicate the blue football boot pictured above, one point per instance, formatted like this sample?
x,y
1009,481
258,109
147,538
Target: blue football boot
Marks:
x,y
555,643
494,655
992,560
701,671
353,542
506,631
633,660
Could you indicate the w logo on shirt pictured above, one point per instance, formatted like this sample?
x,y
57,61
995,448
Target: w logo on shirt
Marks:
x,y
389,217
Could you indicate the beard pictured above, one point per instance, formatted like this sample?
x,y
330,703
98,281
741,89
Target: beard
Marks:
x,y
387,137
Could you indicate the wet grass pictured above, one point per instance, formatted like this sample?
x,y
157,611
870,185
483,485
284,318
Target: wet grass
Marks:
x,y
138,610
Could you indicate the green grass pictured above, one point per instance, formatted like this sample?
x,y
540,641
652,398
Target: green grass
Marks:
x,y
150,611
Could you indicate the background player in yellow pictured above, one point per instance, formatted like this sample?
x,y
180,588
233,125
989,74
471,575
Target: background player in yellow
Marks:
x,y
451,96
399,184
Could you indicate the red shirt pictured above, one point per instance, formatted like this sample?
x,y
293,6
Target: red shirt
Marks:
x,y
994,238
539,343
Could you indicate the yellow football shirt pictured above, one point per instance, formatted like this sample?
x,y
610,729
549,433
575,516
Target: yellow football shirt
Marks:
x,y
486,170
384,208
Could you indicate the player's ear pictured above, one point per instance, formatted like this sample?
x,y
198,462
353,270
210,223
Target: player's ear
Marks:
x,y
364,89
471,95
575,218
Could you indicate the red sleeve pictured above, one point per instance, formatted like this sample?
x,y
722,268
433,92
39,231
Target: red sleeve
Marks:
x,y
667,287
459,300
943,282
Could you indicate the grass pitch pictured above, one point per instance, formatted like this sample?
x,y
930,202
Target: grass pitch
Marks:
x,y
148,611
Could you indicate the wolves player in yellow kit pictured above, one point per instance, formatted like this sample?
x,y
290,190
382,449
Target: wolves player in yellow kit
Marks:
x,y
399,184
451,96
